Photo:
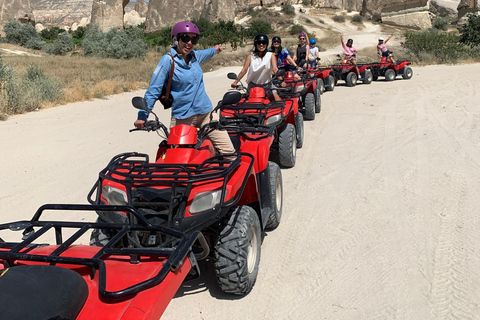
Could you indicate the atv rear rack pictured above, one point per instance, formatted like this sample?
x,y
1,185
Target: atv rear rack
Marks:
x,y
256,119
174,251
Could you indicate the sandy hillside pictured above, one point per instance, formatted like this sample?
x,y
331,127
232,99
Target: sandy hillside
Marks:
x,y
380,219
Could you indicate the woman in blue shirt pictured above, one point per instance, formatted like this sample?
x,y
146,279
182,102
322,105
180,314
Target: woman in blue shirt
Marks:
x,y
191,104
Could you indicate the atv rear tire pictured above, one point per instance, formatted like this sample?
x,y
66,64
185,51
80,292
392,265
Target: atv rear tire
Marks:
x,y
331,83
300,130
276,190
318,100
408,73
389,75
367,77
351,79
237,251
287,146
320,85
309,106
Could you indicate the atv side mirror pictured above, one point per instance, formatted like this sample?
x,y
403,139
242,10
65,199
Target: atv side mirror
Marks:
x,y
232,75
231,97
140,103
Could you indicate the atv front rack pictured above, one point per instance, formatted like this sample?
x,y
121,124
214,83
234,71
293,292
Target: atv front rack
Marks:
x,y
174,253
133,170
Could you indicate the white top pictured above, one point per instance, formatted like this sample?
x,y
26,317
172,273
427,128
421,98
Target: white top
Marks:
x,y
313,52
260,70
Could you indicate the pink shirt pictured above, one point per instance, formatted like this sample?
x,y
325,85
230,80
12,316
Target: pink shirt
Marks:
x,y
382,47
349,51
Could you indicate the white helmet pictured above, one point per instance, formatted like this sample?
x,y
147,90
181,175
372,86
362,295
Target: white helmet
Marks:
x,y
380,39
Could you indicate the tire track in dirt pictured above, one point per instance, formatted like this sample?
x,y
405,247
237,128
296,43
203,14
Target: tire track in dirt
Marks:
x,y
451,293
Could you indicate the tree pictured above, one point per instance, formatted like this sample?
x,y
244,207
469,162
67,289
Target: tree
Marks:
x,y
470,31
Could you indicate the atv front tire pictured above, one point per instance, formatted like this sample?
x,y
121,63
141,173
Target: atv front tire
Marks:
x,y
237,251
300,130
287,146
276,191
309,106
320,85
100,237
351,79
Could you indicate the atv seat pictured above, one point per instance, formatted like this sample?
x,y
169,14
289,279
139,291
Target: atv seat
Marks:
x,y
236,142
41,292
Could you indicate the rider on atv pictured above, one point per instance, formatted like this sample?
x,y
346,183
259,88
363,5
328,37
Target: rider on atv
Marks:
x,y
382,50
191,104
284,60
350,52
261,65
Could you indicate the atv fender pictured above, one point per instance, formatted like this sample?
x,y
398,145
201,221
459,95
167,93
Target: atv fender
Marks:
x,y
265,197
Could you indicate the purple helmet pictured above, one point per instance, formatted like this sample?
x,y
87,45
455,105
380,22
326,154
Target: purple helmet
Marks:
x,y
184,27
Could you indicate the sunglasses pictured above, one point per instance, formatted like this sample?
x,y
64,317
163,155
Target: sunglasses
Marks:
x,y
302,38
262,42
186,38
276,41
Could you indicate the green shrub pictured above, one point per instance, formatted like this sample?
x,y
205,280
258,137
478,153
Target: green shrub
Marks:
x,y
288,10
115,43
307,2
376,18
60,46
24,35
339,18
51,34
357,18
78,36
161,38
258,26
443,47
470,31
37,88
440,23
296,29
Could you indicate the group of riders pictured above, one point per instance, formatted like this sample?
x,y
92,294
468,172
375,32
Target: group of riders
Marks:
x,y
192,106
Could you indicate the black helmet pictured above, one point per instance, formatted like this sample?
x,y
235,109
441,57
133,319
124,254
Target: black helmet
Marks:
x,y
260,38
276,38
350,40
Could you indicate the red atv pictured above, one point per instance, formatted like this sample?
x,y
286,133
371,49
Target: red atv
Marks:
x,y
67,280
348,73
188,188
305,90
389,70
325,78
283,116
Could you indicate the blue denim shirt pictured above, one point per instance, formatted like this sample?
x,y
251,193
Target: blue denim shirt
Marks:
x,y
187,89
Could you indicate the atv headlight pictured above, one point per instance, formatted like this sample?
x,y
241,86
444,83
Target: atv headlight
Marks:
x,y
206,201
274,119
300,88
114,196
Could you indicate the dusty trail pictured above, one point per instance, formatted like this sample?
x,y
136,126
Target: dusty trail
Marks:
x,y
381,217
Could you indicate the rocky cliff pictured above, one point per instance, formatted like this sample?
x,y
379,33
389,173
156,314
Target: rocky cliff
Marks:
x,y
19,10
163,13
61,13
468,6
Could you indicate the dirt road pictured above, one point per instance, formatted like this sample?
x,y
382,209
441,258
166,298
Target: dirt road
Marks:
x,y
380,220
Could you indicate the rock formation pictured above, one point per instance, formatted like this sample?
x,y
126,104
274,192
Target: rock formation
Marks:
x,y
467,6
19,10
63,12
163,13
141,7
445,6
108,14
411,14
